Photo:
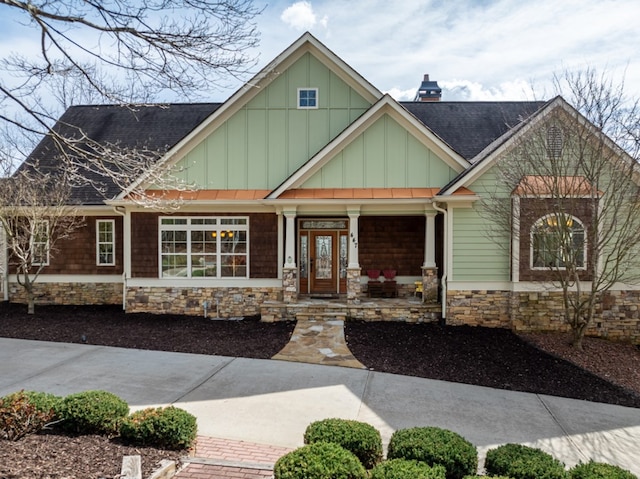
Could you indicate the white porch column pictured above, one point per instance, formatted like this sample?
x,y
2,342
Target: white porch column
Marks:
x,y
290,240
354,261
430,241
280,242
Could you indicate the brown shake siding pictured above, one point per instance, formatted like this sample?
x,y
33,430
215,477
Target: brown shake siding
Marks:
x,y
77,255
263,243
389,242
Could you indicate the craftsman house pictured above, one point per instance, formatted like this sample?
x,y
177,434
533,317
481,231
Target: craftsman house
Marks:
x,y
308,182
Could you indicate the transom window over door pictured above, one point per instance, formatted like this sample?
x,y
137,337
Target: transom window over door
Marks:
x,y
204,247
558,241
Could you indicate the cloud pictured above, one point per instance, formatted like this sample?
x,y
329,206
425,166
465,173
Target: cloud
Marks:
x,y
301,16
466,90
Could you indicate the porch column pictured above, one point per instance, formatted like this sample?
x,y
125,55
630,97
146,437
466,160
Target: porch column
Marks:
x,y
430,241
289,271
429,269
353,268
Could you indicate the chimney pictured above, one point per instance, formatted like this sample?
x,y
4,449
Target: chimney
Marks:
x,y
428,91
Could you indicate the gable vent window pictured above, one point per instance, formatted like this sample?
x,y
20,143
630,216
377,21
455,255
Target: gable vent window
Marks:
x,y
555,142
307,98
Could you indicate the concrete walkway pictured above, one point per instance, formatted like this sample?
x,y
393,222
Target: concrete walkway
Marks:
x,y
269,402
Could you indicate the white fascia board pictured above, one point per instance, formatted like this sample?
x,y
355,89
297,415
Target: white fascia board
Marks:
x,y
386,105
306,43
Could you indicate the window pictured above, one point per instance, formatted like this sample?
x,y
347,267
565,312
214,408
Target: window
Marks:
x,y
105,243
307,98
211,247
40,243
558,241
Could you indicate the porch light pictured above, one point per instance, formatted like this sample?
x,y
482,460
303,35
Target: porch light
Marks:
x,y
214,234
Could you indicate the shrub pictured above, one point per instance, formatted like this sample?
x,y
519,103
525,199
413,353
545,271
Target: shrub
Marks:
x,y
92,412
487,477
523,462
20,416
360,438
435,446
320,460
405,469
598,470
43,402
169,428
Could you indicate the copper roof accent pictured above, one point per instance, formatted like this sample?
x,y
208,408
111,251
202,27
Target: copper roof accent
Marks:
x,y
208,195
463,191
359,193
533,185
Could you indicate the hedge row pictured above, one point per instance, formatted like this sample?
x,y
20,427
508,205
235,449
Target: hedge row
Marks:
x,y
343,449
95,412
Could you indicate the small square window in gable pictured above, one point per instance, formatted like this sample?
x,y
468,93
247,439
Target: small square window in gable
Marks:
x,y
307,98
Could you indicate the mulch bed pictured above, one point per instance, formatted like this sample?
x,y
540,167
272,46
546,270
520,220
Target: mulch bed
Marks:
x,y
111,326
489,357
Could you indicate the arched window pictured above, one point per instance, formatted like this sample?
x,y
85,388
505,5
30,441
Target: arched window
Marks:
x,y
558,241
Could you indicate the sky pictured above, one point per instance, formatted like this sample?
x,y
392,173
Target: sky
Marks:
x,y
475,49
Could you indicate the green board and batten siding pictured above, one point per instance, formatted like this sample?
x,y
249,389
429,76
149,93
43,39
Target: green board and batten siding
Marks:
x,y
479,251
386,155
269,138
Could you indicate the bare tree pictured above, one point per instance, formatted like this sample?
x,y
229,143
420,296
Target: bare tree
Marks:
x,y
570,196
120,53
35,216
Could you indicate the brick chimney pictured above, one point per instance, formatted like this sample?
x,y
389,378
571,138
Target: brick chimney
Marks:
x,y
428,91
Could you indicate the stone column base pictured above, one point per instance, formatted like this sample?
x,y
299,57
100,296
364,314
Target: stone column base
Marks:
x,y
429,284
290,285
353,285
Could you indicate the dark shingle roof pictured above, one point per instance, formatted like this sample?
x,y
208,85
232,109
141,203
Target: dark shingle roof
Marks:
x,y
155,128
469,127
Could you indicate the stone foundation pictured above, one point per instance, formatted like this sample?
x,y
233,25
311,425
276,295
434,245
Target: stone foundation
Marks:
x,y
69,293
366,310
617,315
354,287
289,285
429,284
219,302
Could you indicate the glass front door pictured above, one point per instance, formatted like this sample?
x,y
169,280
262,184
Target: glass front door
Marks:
x,y
323,262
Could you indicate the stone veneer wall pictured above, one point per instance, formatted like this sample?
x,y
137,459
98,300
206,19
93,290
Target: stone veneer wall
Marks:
x,y
617,315
231,302
69,293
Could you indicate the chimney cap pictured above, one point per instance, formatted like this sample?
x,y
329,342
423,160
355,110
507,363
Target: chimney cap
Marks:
x,y
428,90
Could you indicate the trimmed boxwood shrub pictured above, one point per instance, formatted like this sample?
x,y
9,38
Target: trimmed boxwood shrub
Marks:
x,y
169,428
406,469
435,446
487,477
320,460
599,470
360,438
92,412
523,462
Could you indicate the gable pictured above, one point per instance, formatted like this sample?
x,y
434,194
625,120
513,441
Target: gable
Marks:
x,y
385,155
269,138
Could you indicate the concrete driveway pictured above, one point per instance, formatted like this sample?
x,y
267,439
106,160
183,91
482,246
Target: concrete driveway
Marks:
x,y
272,402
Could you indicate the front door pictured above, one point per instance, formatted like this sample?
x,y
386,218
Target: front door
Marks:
x,y
323,262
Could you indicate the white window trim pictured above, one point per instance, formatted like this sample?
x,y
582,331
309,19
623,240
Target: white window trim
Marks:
x,y
112,242
307,107
562,268
33,243
218,228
